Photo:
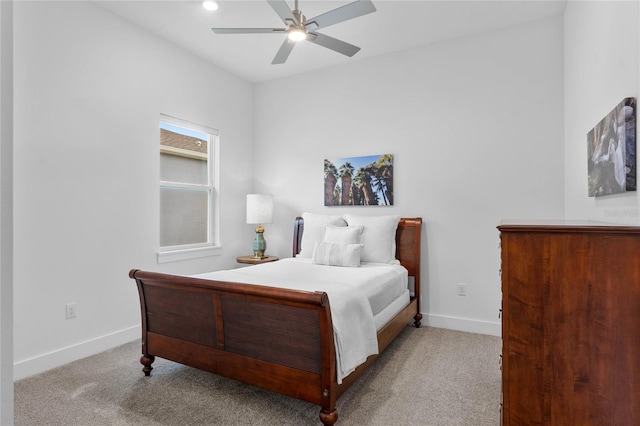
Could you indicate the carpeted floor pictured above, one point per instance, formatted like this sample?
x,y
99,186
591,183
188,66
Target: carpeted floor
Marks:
x,y
427,376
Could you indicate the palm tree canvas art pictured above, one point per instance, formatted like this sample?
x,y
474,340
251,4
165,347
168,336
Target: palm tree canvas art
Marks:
x,y
359,181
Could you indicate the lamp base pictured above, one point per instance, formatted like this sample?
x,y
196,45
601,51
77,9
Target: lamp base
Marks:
x,y
259,244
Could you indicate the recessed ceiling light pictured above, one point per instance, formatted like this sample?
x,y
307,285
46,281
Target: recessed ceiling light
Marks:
x,y
210,5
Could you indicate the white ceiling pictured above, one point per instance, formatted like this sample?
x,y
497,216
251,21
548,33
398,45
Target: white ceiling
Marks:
x,y
396,25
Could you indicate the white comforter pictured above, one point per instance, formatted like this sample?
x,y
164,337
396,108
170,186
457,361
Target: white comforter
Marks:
x,y
347,288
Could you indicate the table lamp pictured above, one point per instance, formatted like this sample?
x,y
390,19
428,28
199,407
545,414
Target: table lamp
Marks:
x,y
259,211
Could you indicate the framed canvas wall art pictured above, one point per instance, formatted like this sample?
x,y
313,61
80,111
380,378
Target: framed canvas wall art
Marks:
x,y
359,181
611,147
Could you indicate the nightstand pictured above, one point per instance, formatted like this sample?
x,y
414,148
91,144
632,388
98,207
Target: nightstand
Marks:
x,y
253,261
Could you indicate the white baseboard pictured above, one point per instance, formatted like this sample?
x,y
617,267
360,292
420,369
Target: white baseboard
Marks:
x,y
463,324
44,362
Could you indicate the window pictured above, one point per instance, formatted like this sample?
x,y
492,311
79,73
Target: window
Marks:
x,y
187,190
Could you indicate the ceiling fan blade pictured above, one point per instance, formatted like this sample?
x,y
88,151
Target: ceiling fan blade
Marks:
x,y
334,44
283,52
283,10
341,14
248,30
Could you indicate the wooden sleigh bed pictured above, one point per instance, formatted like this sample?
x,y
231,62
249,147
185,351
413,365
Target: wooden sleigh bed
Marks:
x,y
278,339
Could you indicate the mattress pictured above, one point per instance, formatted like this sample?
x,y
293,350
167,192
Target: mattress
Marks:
x,y
391,310
381,283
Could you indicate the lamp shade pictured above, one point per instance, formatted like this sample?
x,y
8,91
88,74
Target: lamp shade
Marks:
x,y
259,208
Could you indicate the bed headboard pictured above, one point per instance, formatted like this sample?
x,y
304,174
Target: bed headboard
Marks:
x,y
408,236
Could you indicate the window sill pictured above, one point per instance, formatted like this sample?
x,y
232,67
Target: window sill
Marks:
x,y
187,254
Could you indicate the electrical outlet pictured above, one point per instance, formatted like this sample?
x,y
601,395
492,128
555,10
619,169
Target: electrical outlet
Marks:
x,y
71,310
462,289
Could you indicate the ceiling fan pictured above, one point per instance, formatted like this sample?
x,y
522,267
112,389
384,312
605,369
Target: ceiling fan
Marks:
x,y
300,28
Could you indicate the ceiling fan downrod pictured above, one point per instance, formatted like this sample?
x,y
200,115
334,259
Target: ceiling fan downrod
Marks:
x,y
297,31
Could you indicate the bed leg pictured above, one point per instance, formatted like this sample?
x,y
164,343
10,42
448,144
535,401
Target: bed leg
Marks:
x,y
328,418
417,319
147,360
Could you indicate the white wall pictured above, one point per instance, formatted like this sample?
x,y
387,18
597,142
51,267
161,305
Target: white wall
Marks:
x,y
6,212
89,88
601,69
476,128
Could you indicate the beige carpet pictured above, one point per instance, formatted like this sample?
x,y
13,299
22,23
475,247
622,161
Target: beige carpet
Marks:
x,y
427,376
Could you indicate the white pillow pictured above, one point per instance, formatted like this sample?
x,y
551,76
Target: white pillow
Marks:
x,y
342,234
378,237
314,225
337,254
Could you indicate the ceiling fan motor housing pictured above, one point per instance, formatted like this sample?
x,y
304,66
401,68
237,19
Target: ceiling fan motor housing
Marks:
x,y
296,29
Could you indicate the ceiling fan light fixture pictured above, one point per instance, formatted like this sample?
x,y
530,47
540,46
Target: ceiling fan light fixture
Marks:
x,y
297,34
210,5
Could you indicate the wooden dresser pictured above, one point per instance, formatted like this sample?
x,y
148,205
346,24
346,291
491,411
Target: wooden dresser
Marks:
x,y
570,324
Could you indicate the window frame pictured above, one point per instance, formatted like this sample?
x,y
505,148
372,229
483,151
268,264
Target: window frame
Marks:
x,y
212,246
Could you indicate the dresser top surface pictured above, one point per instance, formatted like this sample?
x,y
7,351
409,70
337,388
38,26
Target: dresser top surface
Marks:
x,y
563,225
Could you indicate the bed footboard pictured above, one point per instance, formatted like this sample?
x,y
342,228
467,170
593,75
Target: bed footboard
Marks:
x,y
277,339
